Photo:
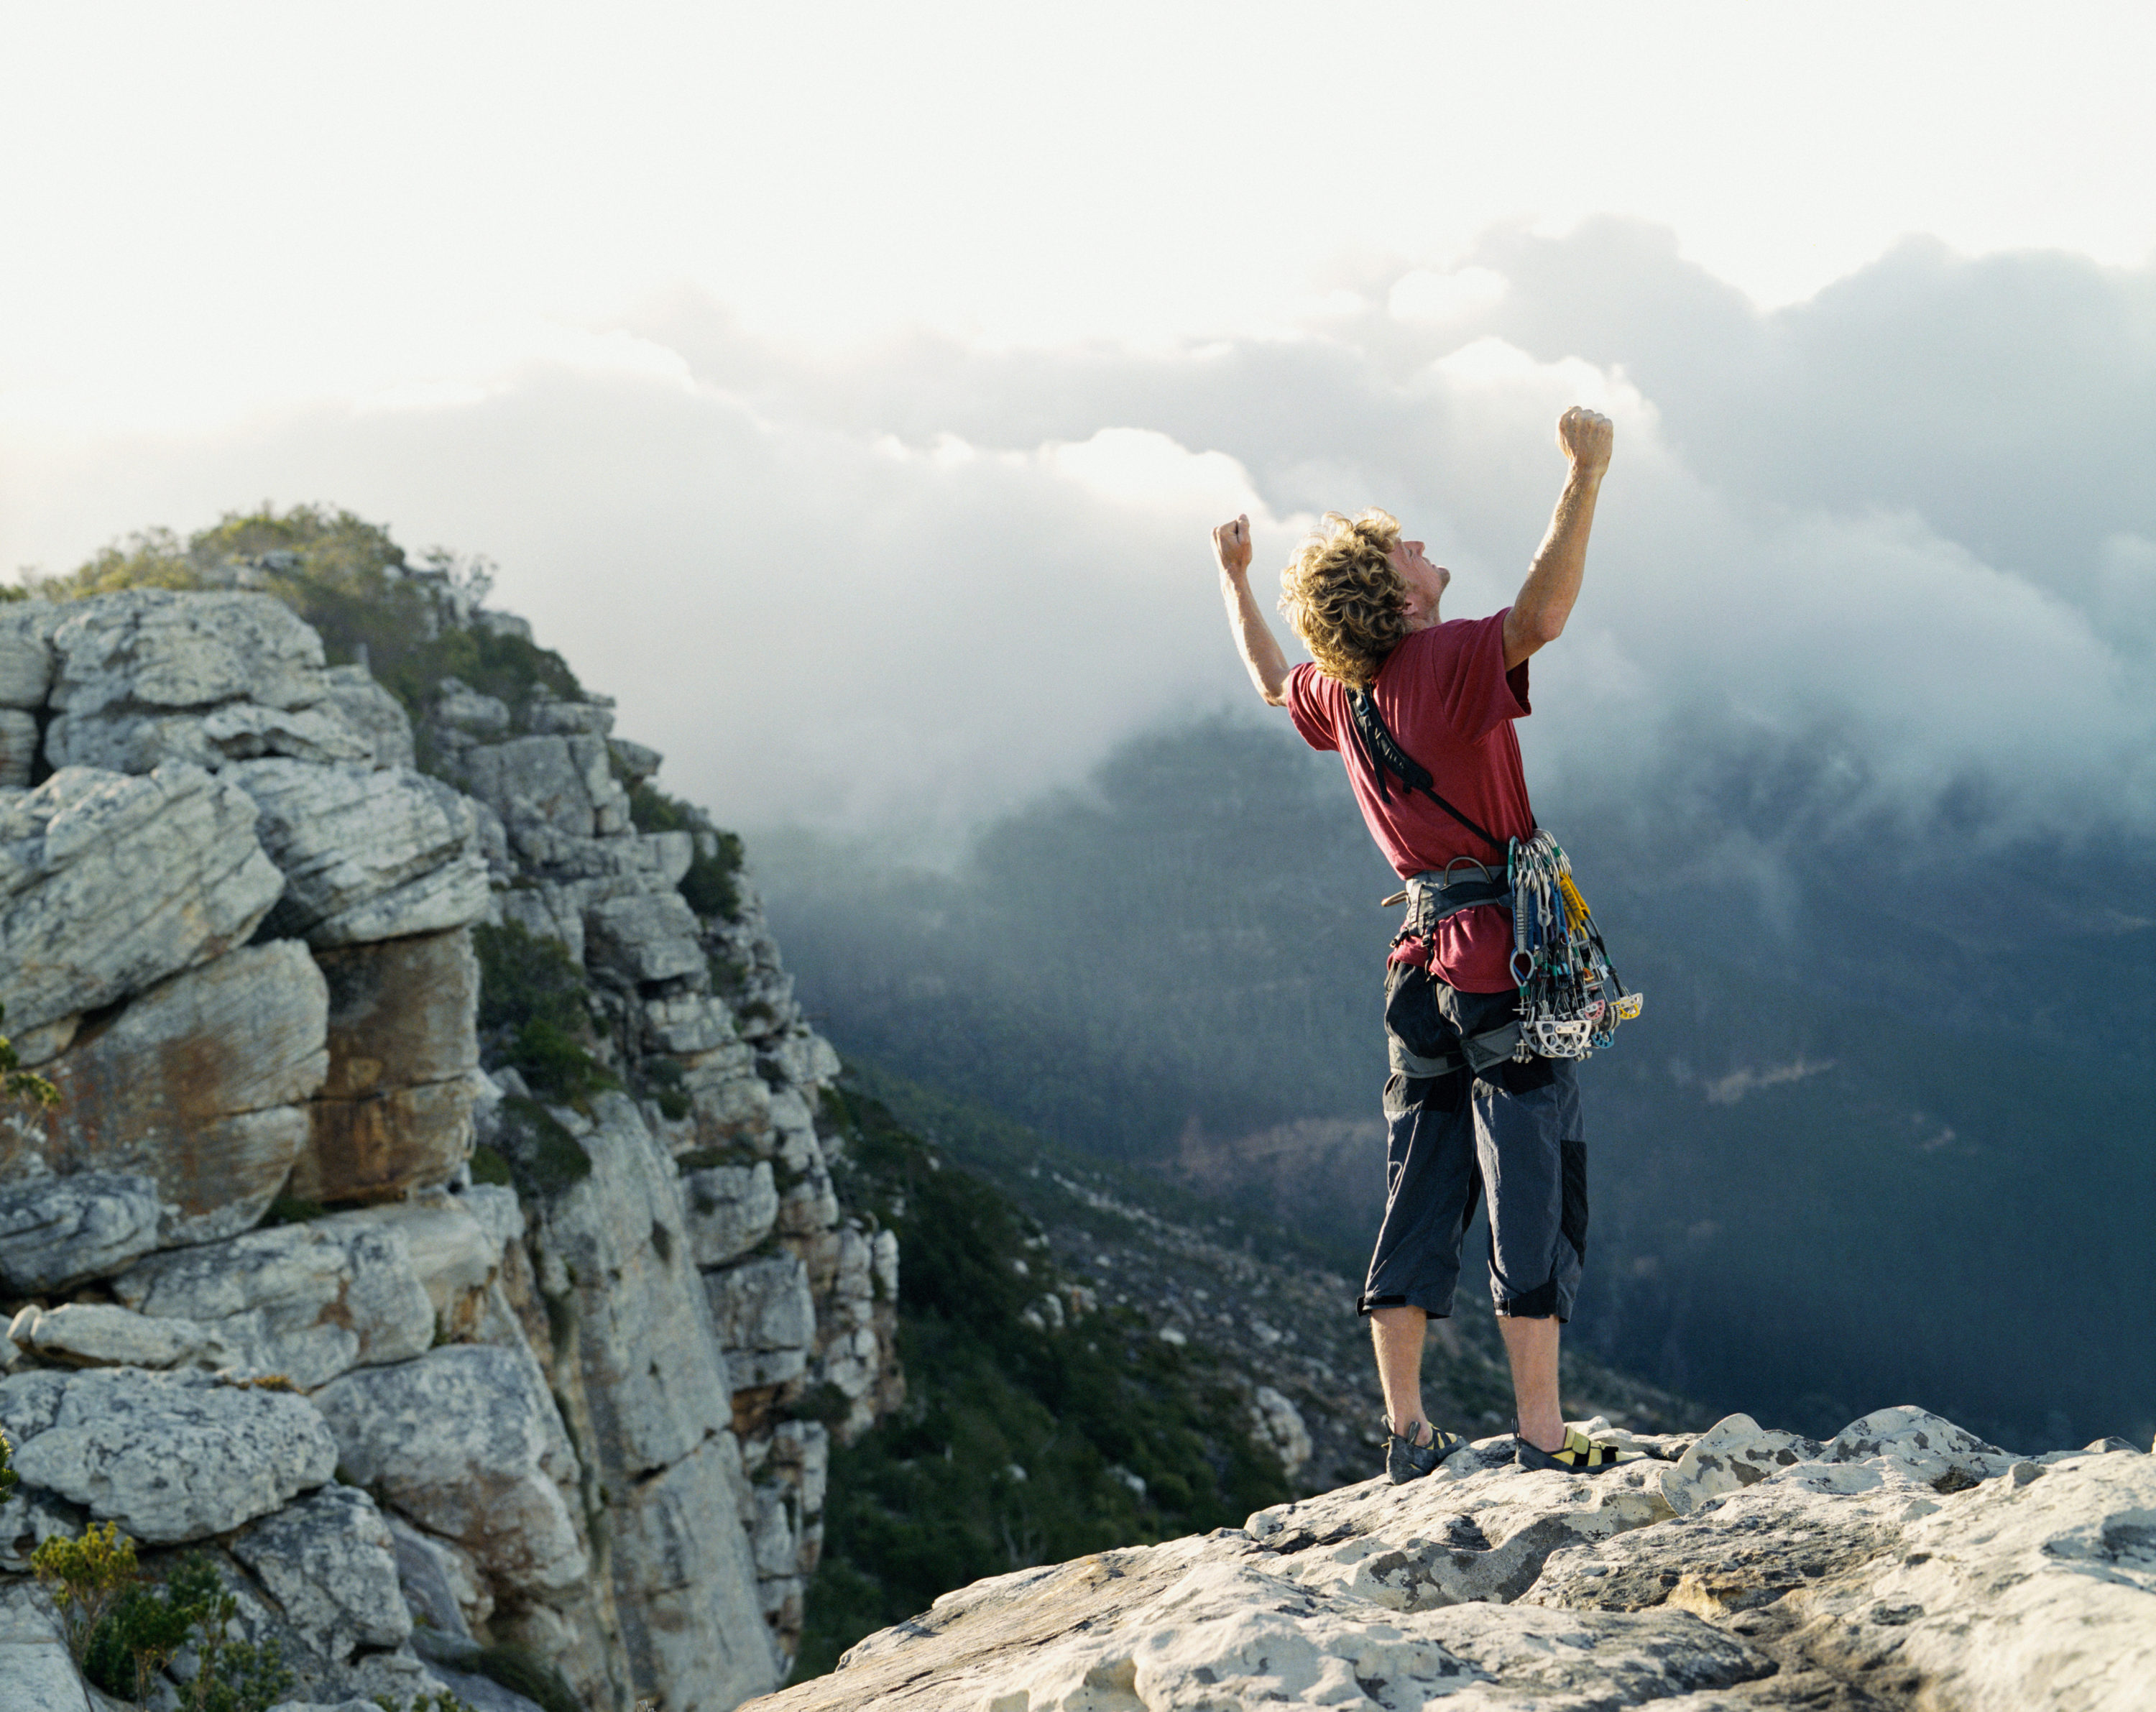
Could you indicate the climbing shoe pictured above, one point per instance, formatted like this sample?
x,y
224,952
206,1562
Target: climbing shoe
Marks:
x,y
1577,1455
1405,1460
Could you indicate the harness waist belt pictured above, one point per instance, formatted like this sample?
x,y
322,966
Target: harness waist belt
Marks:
x,y
1435,895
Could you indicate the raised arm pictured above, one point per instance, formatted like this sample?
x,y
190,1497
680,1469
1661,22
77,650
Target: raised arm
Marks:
x,y
1546,599
1261,654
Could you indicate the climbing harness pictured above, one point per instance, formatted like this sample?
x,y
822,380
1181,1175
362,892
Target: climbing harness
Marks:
x,y
1571,999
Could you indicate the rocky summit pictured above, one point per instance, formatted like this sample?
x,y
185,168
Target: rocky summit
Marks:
x,y
1904,1563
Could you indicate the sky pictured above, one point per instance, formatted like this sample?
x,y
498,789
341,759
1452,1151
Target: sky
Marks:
x,y
848,389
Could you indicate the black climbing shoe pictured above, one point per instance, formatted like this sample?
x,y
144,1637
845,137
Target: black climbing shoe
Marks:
x,y
1405,1460
1577,1455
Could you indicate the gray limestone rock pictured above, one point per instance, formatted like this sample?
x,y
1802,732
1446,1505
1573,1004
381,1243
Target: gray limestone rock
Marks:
x,y
97,1334
686,1584
558,783
130,740
169,1457
593,717
197,1083
307,1301
379,716
156,648
110,883
56,1232
329,1562
457,1440
25,651
440,1585
730,1210
460,706
18,748
637,760
650,1361
36,1672
766,1317
647,937
367,854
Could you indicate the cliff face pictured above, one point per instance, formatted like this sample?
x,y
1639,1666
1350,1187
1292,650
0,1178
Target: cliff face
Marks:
x,y
1904,1563
548,1352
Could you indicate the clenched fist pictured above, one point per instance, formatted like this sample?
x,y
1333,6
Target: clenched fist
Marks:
x,y
1231,545
1586,437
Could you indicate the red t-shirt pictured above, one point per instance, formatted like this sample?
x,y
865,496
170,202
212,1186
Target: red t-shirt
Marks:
x,y
1444,695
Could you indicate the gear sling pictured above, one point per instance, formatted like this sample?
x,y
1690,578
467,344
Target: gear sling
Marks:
x,y
1570,999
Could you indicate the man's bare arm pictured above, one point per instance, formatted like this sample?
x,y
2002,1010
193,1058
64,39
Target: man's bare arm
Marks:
x,y
1546,599
1262,654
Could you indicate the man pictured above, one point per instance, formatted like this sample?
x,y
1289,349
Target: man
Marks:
x,y
1463,1116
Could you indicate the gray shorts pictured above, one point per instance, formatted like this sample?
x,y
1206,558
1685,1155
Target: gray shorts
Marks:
x,y
1511,1132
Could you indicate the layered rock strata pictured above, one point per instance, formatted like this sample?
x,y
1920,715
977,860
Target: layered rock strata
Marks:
x,y
1903,1564
411,1416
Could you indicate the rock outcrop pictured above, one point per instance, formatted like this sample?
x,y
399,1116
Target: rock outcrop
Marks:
x,y
258,1301
1902,1565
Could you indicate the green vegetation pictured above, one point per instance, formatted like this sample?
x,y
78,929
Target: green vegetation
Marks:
x,y
1016,1446
293,1210
7,1476
532,1014
443,1702
353,583
123,1629
18,1084
711,886
540,1157
523,1672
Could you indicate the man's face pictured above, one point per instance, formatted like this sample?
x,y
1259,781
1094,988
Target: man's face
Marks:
x,y
1426,582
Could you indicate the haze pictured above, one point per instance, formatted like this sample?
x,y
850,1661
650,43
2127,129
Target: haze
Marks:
x,y
848,390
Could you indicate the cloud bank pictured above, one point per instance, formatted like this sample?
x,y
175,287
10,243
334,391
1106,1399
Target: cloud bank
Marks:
x,y
1906,528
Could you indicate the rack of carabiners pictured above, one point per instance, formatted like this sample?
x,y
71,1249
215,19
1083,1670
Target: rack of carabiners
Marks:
x,y
1571,1000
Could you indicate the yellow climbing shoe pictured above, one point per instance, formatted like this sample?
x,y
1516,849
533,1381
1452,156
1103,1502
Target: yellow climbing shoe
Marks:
x,y
1577,1455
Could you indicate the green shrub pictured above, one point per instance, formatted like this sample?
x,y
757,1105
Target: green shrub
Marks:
x,y
532,1014
17,1083
488,1166
664,1079
543,1158
123,1630
527,1673
711,886
293,1210
6,1467
353,583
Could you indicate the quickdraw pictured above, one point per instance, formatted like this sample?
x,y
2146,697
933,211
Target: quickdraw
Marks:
x,y
1571,1000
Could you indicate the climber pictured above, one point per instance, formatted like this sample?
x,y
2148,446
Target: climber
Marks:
x,y
1465,1115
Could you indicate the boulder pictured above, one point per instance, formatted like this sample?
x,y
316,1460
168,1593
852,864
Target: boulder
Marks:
x,y
367,854
129,740
56,1232
558,783
195,1083
646,936
458,1440
685,1584
650,1363
396,1108
18,748
38,1672
766,1317
401,1011
440,1584
157,648
379,716
97,1334
25,651
373,1149
169,1457
730,1210
307,1301
110,883
329,1562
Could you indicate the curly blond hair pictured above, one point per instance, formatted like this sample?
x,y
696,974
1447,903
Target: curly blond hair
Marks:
x,y
1340,594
